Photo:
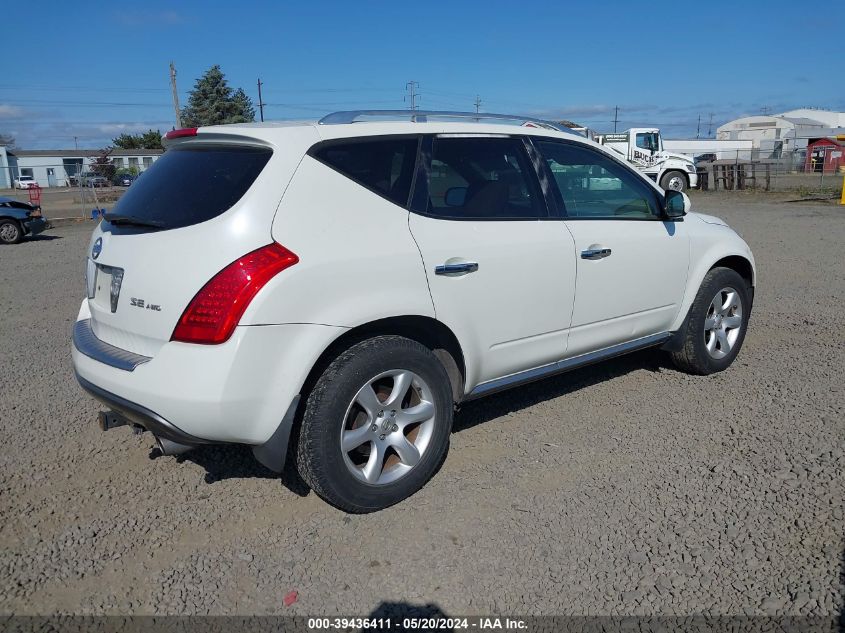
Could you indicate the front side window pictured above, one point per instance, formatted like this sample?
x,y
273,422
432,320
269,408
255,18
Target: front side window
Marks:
x,y
593,186
385,166
647,141
482,178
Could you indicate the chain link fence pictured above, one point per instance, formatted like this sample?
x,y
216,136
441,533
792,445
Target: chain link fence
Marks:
x,y
70,193
813,172
67,193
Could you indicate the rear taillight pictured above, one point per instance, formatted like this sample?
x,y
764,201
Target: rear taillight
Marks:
x,y
214,312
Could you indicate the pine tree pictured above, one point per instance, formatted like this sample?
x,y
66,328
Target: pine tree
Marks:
x,y
213,102
147,140
246,111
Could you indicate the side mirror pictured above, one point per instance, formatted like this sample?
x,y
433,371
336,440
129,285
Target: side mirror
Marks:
x,y
676,204
455,196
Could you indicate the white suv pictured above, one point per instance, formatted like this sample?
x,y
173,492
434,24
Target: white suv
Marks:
x,y
337,287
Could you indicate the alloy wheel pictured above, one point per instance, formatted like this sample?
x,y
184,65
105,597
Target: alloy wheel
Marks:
x,y
388,427
723,322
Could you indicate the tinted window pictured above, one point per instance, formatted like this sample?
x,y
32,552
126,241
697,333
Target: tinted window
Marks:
x,y
592,185
385,166
484,178
192,184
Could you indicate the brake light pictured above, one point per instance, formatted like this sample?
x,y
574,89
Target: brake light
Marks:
x,y
185,131
217,308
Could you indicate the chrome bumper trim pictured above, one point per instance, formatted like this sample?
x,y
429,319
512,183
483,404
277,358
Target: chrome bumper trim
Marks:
x,y
87,343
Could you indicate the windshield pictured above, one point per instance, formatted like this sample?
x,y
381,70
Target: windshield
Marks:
x,y
192,184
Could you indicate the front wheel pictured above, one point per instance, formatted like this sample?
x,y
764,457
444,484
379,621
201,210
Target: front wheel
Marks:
x,y
10,232
376,424
718,319
673,181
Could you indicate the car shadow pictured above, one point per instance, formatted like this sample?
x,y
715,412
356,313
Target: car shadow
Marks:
x,y
235,461
42,238
477,412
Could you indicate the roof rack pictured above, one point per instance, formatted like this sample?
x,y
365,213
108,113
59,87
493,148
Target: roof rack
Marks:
x,y
422,116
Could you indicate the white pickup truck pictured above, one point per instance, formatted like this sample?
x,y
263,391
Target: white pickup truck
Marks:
x,y
643,148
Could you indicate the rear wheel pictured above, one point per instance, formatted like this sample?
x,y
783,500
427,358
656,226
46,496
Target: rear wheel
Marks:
x,y
718,319
376,424
10,232
674,181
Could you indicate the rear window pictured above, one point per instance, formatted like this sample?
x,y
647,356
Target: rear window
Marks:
x,y
384,166
192,184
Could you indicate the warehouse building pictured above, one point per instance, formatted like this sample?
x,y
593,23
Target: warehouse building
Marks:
x,y
773,136
60,167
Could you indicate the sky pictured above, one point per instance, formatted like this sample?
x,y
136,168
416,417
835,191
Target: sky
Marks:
x,y
83,76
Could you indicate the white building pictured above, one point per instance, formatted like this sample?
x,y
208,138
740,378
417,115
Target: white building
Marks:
x,y
775,135
57,167
5,172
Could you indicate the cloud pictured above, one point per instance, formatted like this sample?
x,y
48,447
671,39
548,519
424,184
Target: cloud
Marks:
x,y
8,112
89,135
152,18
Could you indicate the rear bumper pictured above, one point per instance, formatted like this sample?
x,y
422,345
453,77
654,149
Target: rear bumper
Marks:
x,y
137,414
35,226
238,391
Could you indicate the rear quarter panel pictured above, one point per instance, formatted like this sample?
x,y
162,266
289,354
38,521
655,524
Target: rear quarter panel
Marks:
x,y
358,261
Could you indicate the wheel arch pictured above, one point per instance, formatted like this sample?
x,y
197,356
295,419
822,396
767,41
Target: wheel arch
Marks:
x,y
733,258
740,264
425,330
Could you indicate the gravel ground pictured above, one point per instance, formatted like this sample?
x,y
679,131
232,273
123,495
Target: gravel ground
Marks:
x,y
625,488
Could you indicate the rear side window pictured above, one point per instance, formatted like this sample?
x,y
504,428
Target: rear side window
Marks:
x,y
384,166
483,179
192,183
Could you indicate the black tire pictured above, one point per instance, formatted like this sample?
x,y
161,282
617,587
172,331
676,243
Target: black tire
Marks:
x,y
693,356
670,178
10,232
320,459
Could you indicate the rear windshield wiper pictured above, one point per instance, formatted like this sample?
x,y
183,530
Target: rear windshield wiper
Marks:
x,y
128,220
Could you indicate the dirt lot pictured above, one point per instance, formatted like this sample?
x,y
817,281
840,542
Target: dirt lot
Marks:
x,y
626,488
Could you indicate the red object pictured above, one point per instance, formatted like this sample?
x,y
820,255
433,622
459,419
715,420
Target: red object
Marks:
x,y
290,598
214,312
185,131
825,155
35,194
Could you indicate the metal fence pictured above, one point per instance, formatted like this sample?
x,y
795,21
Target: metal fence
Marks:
x,y
814,173
820,175
69,194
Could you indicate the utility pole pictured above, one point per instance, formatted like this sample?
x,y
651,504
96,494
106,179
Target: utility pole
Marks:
x,y
412,95
698,129
477,104
76,142
615,119
710,126
175,96
260,102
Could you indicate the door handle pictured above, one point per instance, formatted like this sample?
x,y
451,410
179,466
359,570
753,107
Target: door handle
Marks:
x,y
595,253
461,268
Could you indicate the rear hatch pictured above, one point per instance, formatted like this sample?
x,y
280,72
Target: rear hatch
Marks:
x,y
198,208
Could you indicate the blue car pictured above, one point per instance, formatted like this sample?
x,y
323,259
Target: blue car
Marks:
x,y
18,219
